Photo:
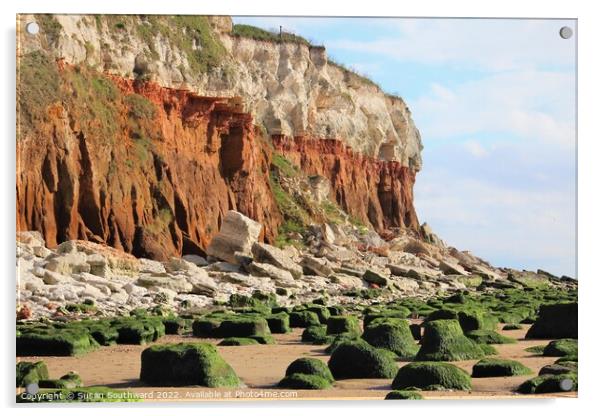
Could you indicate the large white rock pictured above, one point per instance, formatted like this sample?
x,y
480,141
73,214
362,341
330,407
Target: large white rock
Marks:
x,y
268,270
195,259
178,284
54,278
151,266
202,284
176,264
237,234
265,253
316,266
71,262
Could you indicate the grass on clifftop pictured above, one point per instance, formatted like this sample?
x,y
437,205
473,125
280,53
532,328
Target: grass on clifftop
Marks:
x,y
256,33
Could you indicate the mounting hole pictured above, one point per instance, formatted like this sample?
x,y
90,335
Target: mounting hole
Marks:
x,y
566,384
566,32
32,28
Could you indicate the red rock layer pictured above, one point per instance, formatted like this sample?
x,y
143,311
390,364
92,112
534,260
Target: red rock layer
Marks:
x,y
166,195
155,199
372,190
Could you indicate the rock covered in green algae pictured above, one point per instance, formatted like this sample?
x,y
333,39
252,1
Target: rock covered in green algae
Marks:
x,y
186,364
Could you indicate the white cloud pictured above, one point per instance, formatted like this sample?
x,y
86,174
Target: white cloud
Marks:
x,y
475,148
490,44
536,105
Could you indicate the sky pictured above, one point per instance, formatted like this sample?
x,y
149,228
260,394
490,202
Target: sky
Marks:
x,y
494,101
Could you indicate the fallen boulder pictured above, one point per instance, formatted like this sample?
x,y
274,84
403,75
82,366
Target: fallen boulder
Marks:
x,y
237,234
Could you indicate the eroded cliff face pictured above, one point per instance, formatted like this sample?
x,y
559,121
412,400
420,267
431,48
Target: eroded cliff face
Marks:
x,y
159,186
125,139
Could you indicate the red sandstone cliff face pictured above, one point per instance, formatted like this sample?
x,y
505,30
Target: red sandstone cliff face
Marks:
x,y
159,184
374,191
155,196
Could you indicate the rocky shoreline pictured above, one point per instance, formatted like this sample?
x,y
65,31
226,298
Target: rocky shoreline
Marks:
x,y
346,264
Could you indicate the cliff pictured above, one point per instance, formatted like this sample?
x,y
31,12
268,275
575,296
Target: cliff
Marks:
x,y
142,131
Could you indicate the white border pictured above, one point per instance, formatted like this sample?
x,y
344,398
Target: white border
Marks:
x,y
589,211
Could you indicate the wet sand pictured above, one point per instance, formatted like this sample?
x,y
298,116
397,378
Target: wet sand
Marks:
x,y
261,367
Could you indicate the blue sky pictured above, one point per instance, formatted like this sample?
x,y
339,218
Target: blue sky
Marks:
x,y
494,101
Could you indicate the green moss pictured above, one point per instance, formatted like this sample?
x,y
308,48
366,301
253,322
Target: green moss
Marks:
x,y
536,349
340,339
561,348
81,394
549,384
315,334
320,310
488,349
311,366
443,340
29,372
423,375
303,319
50,341
234,341
395,337
51,27
80,308
263,339
342,324
353,359
175,325
299,381
496,367
483,336
441,314
279,323
70,380
38,86
138,330
476,320
243,326
474,280
186,364
206,327
403,395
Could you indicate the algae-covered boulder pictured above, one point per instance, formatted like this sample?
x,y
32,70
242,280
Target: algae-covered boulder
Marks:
x,y
555,321
311,366
28,372
549,384
443,340
560,368
236,342
54,341
301,381
70,380
205,327
512,327
340,339
476,320
139,331
342,324
279,323
316,334
403,395
303,319
441,314
393,336
174,326
561,348
322,311
496,367
425,375
353,359
186,364
244,326
485,336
